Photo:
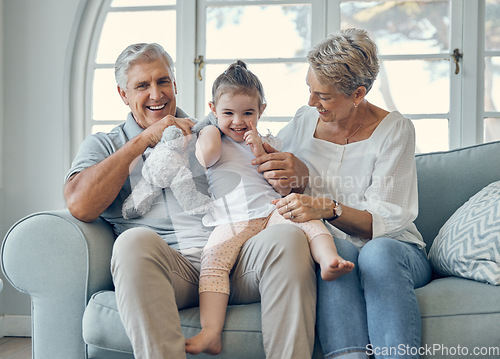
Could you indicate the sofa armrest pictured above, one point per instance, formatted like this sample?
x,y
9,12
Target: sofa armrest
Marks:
x,y
60,262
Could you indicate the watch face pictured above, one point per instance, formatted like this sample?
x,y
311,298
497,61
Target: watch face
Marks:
x,y
338,210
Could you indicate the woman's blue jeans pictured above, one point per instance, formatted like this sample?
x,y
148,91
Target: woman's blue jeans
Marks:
x,y
374,308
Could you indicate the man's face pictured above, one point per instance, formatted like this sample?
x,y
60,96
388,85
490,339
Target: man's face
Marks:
x,y
150,92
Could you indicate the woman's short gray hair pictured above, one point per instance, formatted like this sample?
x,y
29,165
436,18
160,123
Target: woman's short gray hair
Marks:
x,y
139,53
346,61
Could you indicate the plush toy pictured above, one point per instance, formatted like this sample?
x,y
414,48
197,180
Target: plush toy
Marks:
x,y
168,166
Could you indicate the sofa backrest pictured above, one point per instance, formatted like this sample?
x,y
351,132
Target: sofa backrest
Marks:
x,y
446,180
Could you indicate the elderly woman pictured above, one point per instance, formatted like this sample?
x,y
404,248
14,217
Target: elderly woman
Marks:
x,y
354,168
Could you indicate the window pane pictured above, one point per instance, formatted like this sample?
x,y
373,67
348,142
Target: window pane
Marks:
x,y
491,129
151,26
258,31
492,25
237,0
431,135
284,86
107,104
413,86
118,3
401,27
492,84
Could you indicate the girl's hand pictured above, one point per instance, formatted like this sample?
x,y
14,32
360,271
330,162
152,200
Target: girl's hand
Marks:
x,y
253,139
285,172
302,208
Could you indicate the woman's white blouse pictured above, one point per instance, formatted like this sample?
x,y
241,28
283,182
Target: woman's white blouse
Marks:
x,y
377,174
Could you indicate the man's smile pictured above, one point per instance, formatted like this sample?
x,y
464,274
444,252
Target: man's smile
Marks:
x,y
156,107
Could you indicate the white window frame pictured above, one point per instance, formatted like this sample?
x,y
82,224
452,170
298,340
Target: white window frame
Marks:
x,y
472,99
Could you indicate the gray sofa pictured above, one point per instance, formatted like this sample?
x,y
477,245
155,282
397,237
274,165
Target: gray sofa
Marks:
x,y
63,264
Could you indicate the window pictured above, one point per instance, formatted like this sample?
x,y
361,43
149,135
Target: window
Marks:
x,y
126,22
272,37
433,68
414,43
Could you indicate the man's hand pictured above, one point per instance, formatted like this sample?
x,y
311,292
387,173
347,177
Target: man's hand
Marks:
x,y
154,132
91,191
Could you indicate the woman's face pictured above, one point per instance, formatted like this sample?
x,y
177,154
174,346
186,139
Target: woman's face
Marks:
x,y
331,104
235,112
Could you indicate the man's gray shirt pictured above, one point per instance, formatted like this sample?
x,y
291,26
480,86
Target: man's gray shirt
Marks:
x,y
181,231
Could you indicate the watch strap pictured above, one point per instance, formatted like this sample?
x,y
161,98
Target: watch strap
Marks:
x,y
335,214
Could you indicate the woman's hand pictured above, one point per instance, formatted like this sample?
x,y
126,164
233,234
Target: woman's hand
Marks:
x,y
285,172
302,208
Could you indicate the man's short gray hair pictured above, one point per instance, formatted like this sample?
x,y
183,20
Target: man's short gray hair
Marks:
x,y
139,53
345,61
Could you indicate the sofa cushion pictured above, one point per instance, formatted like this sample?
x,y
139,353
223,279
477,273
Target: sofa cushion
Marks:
x,y
452,296
241,337
447,179
460,312
102,326
468,244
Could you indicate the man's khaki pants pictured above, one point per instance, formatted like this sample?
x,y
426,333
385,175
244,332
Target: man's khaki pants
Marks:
x,y
152,281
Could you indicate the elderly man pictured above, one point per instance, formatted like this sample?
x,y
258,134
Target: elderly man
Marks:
x,y
155,263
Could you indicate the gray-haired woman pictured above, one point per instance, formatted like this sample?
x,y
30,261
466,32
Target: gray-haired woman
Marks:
x,y
353,166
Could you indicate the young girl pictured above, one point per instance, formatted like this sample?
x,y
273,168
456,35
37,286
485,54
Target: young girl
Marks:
x,y
237,104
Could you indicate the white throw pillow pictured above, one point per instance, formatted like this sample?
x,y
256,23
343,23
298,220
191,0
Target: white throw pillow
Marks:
x,y
468,244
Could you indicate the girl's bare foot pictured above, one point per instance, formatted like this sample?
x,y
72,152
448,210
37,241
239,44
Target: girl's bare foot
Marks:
x,y
335,268
325,254
206,341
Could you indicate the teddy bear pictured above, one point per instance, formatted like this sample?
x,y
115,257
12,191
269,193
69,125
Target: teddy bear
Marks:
x,y
168,166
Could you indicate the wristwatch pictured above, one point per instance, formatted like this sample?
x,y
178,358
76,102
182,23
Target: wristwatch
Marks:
x,y
337,211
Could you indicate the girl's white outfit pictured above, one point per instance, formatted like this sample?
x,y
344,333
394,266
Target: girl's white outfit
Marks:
x,y
242,209
240,191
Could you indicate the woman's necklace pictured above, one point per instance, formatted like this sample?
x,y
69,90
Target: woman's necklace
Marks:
x,y
348,137
357,130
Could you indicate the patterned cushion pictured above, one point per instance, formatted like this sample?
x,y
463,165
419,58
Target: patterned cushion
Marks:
x,y
468,244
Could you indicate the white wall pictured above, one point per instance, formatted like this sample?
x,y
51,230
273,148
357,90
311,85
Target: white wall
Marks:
x,y
36,52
